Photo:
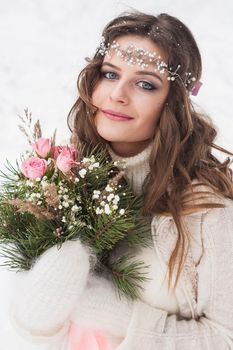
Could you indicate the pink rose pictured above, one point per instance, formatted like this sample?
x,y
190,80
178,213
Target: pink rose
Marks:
x,y
58,149
42,147
65,159
34,167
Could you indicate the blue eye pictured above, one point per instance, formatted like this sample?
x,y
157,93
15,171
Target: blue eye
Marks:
x,y
146,85
109,75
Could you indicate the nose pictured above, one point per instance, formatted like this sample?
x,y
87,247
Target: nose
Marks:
x,y
119,93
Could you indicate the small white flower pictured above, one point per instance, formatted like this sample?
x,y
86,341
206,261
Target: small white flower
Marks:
x,y
39,202
107,209
110,197
122,212
76,180
86,160
29,183
63,219
93,164
65,204
38,195
120,163
75,208
82,172
60,206
116,199
38,179
115,207
66,198
95,196
108,188
99,211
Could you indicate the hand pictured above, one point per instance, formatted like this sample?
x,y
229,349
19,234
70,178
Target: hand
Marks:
x,y
100,307
44,297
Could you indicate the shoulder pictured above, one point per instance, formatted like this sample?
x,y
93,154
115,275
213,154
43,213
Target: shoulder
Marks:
x,y
204,219
219,215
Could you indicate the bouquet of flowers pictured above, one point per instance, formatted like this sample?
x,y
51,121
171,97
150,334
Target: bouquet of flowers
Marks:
x,y
55,194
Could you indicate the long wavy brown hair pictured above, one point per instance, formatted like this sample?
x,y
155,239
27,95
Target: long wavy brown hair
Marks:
x,y
183,137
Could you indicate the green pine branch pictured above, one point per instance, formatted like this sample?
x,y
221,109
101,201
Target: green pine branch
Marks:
x,y
128,275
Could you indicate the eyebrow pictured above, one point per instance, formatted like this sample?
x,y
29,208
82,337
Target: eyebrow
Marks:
x,y
140,72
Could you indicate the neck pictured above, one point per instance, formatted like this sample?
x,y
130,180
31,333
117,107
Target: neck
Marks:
x,y
129,149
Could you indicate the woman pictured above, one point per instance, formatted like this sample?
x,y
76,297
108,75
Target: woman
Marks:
x,y
134,101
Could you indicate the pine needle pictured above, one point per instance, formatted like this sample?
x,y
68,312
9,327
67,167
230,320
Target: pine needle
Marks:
x,y
128,275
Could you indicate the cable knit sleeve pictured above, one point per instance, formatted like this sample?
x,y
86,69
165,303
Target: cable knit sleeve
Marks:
x,y
212,325
44,297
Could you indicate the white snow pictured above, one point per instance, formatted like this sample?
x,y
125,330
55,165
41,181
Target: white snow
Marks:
x,y
43,46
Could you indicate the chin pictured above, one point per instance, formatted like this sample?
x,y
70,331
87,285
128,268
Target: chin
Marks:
x,y
110,138
110,134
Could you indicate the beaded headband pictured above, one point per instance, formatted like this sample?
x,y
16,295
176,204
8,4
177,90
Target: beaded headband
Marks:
x,y
133,55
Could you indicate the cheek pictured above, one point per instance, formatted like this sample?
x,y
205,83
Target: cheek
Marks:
x,y
149,111
97,96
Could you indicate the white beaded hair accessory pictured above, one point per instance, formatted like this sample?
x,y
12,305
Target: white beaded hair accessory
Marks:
x,y
133,55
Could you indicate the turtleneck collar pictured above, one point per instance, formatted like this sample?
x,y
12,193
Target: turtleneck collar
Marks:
x,y
136,167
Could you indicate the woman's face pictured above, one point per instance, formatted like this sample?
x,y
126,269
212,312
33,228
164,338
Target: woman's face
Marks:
x,y
129,91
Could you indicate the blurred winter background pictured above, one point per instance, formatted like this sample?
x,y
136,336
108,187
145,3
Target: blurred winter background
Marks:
x,y
43,45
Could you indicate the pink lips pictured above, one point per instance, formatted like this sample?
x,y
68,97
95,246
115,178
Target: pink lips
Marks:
x,y
115,115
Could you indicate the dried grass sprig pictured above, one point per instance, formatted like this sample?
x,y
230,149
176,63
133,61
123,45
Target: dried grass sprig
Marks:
x,y
23,206
37,133
115,180
51,195
25,128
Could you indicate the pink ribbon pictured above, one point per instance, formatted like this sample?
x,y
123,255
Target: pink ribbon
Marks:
x,y
196,88
86,339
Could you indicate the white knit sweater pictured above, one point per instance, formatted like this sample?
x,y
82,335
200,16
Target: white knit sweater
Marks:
x,y
198,315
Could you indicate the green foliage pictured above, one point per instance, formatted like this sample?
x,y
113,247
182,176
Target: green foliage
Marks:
x,y
25,235
128,275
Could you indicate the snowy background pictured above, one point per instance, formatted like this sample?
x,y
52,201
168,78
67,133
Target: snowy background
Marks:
x,y
43,44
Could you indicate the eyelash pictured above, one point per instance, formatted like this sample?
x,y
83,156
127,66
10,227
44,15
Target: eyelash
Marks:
x,y
152,87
